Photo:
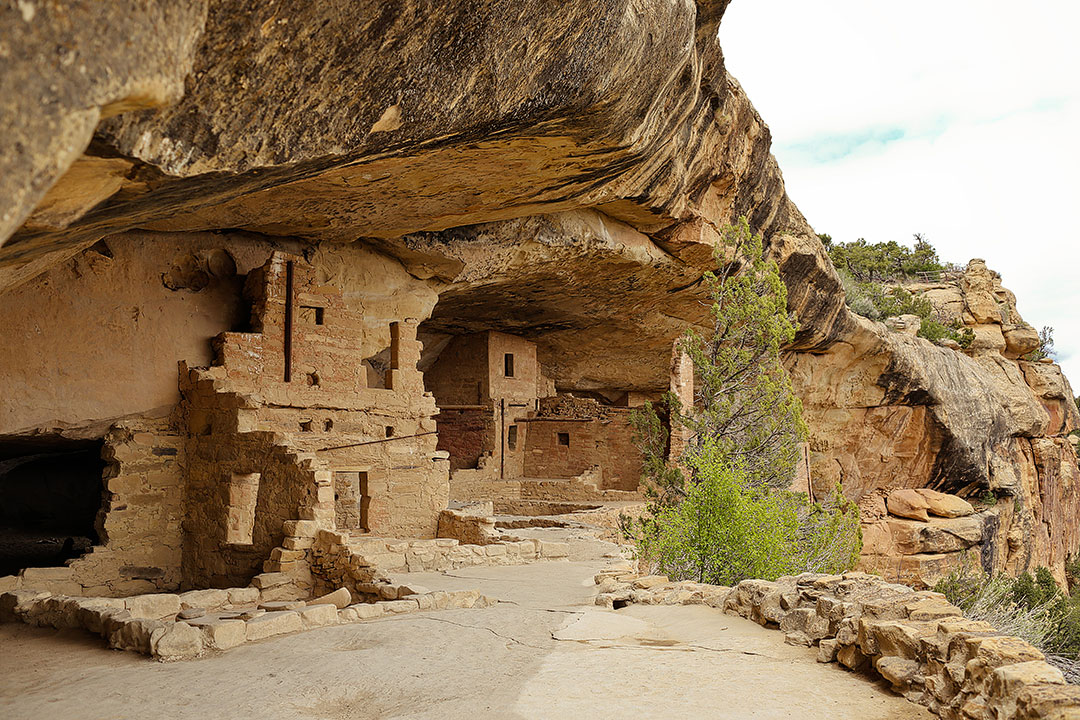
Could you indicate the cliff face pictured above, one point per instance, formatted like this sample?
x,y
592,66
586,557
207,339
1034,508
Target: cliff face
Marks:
x,y
553,170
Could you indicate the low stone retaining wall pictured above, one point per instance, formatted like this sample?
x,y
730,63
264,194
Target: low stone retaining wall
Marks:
x,y
183,626
960,669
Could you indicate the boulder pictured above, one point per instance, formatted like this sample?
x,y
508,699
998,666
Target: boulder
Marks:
x,y
945,505
908,503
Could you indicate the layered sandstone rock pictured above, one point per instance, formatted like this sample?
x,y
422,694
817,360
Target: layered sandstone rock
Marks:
x,y
553,170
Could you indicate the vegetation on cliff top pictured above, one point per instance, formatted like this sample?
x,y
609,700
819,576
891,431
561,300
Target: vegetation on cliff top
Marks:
x,y
874,274
724,510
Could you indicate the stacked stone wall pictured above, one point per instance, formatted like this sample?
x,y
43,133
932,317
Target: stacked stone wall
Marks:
x,y
960,669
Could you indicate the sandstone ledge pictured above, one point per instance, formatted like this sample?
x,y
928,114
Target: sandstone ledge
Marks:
x,y
960,669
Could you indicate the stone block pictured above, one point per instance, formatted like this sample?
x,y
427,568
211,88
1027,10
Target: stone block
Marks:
x,y
154,606
340,598
315,616
176,641
827,650
243,596
851,657
900,672
1009,680
275,605
207,599
368,611
1048,702
650,581
269,580
273,623
221,634
134,634
397,607
462,598
288,591
404,591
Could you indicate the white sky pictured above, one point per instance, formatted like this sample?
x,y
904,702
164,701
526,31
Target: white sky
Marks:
x,y
954,118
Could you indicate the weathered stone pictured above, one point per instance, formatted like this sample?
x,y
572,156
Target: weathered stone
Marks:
x,y
908,504
650,581
945,505
900,672
274,605
827,650
851,657
208,599
273,623
340,598
155,606
176,641
220,634
315,616
243,596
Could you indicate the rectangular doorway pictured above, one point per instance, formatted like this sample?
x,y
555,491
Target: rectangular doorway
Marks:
x,y
351,500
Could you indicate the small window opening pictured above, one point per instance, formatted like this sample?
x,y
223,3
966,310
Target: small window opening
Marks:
x,y
328,425
313,379
508,365
311,315
511,437
564,439
389,431
306,426
243,497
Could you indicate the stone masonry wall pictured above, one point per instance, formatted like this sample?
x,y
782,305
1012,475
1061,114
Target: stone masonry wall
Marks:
x,y
921,645
466,435
604,442
139,523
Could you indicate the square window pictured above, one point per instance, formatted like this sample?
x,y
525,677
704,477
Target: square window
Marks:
x,y
564,439
508,365
311,314
389,431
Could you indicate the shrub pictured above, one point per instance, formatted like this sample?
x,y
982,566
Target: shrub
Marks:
x,y
724,511
727,529
1032,608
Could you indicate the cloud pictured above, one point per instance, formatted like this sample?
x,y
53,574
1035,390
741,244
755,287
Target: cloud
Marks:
x,y
827,148
959,120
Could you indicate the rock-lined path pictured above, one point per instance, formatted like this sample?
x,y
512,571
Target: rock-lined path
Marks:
x,y
546,651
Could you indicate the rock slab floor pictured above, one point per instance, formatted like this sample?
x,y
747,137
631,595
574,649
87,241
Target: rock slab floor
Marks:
x,y
545,651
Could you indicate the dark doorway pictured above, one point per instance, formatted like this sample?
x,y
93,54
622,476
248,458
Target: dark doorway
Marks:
x,y
50,496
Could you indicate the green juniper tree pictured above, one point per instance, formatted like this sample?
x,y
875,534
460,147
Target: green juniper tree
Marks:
x,y
724,511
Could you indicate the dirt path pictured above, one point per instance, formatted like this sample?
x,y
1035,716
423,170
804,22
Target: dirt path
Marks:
x,y
544,652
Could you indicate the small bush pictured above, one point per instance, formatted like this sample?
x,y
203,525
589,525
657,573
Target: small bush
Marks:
x,y
728,529
880,302
1032,608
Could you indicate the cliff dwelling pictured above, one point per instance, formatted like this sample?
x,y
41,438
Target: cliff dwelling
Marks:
x,y
315,313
